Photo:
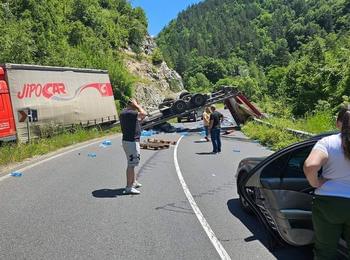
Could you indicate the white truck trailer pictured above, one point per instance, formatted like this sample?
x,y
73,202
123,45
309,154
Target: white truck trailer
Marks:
x,y
33,97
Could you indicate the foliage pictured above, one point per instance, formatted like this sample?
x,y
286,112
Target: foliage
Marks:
x,y
157,56
293,52
74,33
316,123
272,137
199,82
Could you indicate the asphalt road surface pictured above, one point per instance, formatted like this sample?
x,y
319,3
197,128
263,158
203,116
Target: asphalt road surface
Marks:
x,y
73,207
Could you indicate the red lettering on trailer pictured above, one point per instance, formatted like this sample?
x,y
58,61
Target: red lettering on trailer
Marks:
x,y
58,92
38,90
47,91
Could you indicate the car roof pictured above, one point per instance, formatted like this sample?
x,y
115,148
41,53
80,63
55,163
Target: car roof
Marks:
x,y
319,136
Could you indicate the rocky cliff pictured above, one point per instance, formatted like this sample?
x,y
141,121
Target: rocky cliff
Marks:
x,y
155,81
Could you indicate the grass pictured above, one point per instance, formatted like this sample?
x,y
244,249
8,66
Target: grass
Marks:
x,y
317,123
276,138
173,120
15,152
220,106
271,137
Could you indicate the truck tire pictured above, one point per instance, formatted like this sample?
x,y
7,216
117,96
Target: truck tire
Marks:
x,y
167,102
183,94
179,106
198,100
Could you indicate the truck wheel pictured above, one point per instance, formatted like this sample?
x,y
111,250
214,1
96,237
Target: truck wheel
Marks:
x,y
167,102
162,105
183,94
179,106
198,100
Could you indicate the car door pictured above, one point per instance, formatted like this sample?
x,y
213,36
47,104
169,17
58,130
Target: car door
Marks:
x,y
283,195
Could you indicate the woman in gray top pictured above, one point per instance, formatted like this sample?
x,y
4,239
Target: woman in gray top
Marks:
x,y
331,204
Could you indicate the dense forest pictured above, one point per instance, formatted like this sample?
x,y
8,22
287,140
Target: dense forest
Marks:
x,y
290,55
75,33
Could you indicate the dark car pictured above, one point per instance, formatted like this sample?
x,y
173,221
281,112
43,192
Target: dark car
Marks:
x,y
277,191
190,116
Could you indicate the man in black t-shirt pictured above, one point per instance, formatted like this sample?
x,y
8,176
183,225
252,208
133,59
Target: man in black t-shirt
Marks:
x,y
215,125
130,119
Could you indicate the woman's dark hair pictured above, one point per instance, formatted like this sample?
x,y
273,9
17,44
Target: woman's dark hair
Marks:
x,y
344,118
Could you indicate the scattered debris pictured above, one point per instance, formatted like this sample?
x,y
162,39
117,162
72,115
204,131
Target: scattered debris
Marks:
x,y
16,174
107,142
184,133
227,122
227,132
153,140
154,146
92,155
148,132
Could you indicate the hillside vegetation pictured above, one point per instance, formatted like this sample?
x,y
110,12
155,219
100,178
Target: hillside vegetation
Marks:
x,y
290,55
75,33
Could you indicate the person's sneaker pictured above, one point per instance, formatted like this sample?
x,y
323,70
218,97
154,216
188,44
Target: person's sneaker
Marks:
x,y
137,185
131,190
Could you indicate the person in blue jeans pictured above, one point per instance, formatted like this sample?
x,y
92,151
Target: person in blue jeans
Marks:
x,y
215,125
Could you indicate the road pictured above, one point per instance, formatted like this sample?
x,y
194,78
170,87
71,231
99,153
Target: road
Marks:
x,y
73,206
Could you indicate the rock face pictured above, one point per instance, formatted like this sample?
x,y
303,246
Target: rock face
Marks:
x,y
156,82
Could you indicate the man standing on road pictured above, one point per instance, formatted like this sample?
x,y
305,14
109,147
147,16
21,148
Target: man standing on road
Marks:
x,y
130,119
206,121
215,125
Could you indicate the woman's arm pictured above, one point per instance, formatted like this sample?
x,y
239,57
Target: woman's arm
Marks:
x,y
312,165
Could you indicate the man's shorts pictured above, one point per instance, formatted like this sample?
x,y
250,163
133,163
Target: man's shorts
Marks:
x,y
132,152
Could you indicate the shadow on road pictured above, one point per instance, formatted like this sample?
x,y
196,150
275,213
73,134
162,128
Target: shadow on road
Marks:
x,y
259,233
108,193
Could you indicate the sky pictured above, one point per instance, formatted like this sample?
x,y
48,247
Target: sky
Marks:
x,y
161,12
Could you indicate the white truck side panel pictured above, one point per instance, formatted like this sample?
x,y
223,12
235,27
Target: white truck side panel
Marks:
x,y
61,96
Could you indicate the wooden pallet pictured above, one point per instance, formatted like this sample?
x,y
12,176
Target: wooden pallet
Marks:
x,y
161,141
154,146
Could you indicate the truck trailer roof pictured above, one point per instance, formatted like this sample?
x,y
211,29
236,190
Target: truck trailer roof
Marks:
x,y
49,68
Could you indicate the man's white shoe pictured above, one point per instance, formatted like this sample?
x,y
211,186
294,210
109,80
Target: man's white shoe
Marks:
x,y
131,190
137,184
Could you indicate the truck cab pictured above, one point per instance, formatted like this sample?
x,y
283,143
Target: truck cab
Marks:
x,y
7,122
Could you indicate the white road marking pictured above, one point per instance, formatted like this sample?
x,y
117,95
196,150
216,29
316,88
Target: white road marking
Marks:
x,y
214,240
49,159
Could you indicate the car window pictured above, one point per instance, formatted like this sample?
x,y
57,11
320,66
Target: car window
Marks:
x,y
289,165
295,163
275,168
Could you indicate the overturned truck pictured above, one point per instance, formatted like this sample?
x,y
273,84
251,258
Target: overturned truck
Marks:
x,y
239,106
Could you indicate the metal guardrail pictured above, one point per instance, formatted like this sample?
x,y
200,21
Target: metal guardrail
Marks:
x,y
298,133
